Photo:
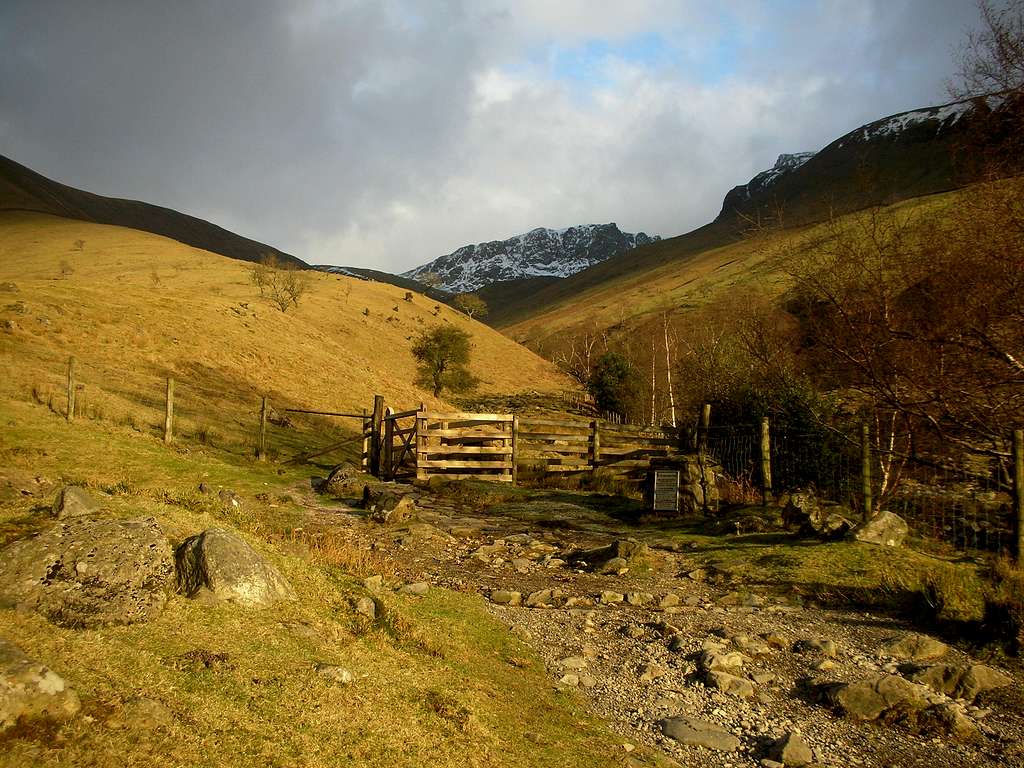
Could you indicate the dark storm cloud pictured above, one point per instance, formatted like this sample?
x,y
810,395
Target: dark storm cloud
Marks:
x,y
380,133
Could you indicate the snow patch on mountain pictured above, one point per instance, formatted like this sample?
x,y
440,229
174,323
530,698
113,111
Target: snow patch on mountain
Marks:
x,y
541,252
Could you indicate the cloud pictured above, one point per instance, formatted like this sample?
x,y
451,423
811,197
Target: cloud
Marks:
x,y
376,134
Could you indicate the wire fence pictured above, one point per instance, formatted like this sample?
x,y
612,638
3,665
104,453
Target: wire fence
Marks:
x,y
966,504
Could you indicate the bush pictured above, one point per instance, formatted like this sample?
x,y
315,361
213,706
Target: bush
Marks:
x,y
283,284
614,384
442,354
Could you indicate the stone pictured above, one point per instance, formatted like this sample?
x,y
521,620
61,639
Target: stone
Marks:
x,y
884,529
374,583
812,517
542,598
221,563
826,648
383,505
521,564
416,588
791,750
695,732
570,679
948,719
639,598
30,690
506,597
712,660
588,681
875,697
622,553
650,673
366,607
960,682
731,685
72,501
142,714
334,673
87,573
697,574
670,600
913,647
573,662
608,597
343,480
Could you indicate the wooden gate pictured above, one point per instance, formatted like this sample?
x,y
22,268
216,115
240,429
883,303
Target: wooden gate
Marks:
x,y
465,446
398,449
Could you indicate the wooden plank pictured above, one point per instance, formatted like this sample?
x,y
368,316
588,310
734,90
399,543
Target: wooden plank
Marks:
x,y
515,450
467,434
527,436
421,445
556,462
621,440
455,476
326,413
403,414
506,464
531,422
435,450
621,464
458,416
551,454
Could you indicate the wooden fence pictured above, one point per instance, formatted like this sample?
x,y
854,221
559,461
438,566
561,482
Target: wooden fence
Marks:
x,y
496,446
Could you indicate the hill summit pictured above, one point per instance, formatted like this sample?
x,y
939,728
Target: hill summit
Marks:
x,y
540,252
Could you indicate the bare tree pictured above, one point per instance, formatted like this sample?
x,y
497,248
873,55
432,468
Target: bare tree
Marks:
x,y
282,284
470,304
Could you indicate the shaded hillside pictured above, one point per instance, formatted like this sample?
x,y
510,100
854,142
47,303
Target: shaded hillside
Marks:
x,y
23,189
892,159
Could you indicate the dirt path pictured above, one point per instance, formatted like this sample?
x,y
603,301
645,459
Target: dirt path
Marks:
x,y
638,661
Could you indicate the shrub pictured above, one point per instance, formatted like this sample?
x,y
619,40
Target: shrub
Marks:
x,y
442,354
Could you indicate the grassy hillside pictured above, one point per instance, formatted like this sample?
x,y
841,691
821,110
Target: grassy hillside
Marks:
x,y
682,274
134,308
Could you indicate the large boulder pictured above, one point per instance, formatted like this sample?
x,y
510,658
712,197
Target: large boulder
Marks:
x,y
960,682
385,505
617,556
72,501
30,690
885,529
696,732
90,573
344,480
811,516
886,697
220,563
913,647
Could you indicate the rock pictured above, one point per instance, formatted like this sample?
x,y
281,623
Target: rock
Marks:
x,y
416,588
960,682
875,697
229,498
698,574
826,648
885,529
622,553
344,480
639,598
505,597
587,681
85,573
573,662
521,564
366,607
222,563
30,690
650,673
385,506
791,750
570,679
948,719
374,583
696,732
334,673
542,598
670,600
730,684
142,714
812,517
610,598
913,647
72,501
712,660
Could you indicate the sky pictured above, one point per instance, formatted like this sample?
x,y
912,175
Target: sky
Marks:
x,y
385,133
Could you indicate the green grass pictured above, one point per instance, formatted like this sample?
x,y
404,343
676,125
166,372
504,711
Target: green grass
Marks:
x,y
439,681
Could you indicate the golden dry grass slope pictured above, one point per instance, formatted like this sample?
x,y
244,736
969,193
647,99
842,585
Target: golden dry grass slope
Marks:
x,y
135,308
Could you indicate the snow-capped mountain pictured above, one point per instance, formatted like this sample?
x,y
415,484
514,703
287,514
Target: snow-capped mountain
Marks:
x,y
538,253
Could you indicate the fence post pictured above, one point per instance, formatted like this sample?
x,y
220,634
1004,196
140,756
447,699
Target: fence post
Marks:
x,y
261,442
865,469
169,410
1018,492
71,389
515,449
375,441
766,462
705,423
364,461
595,445
421,444
387,456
